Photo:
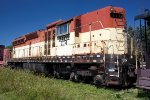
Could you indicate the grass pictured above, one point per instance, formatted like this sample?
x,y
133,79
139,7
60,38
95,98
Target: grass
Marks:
x,y
23,85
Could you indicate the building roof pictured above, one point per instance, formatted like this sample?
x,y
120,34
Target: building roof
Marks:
x,y
145,15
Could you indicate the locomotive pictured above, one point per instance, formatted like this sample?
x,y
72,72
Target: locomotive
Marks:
x,y
4,55
89,47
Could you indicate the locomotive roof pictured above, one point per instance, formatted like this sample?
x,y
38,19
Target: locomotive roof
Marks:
x,y
2,46
60,22
54,23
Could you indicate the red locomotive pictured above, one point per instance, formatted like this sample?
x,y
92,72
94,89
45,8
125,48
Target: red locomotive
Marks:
x,y
4,55
92,46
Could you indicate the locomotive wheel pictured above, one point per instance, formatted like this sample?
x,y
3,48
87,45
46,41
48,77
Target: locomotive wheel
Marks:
x,y
74,77
56,74
98,80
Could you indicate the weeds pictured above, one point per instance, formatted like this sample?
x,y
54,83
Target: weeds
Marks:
x,y
24,85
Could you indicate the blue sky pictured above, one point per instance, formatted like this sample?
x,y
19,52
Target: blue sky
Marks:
x,y
18,17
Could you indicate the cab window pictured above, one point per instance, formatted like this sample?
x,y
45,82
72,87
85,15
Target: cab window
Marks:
x,y
116,15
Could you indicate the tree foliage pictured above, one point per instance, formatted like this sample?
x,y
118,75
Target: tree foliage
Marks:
x,y
130,31
9,47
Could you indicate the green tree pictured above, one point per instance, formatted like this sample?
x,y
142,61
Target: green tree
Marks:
x,y
130,35
130,31
9,47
